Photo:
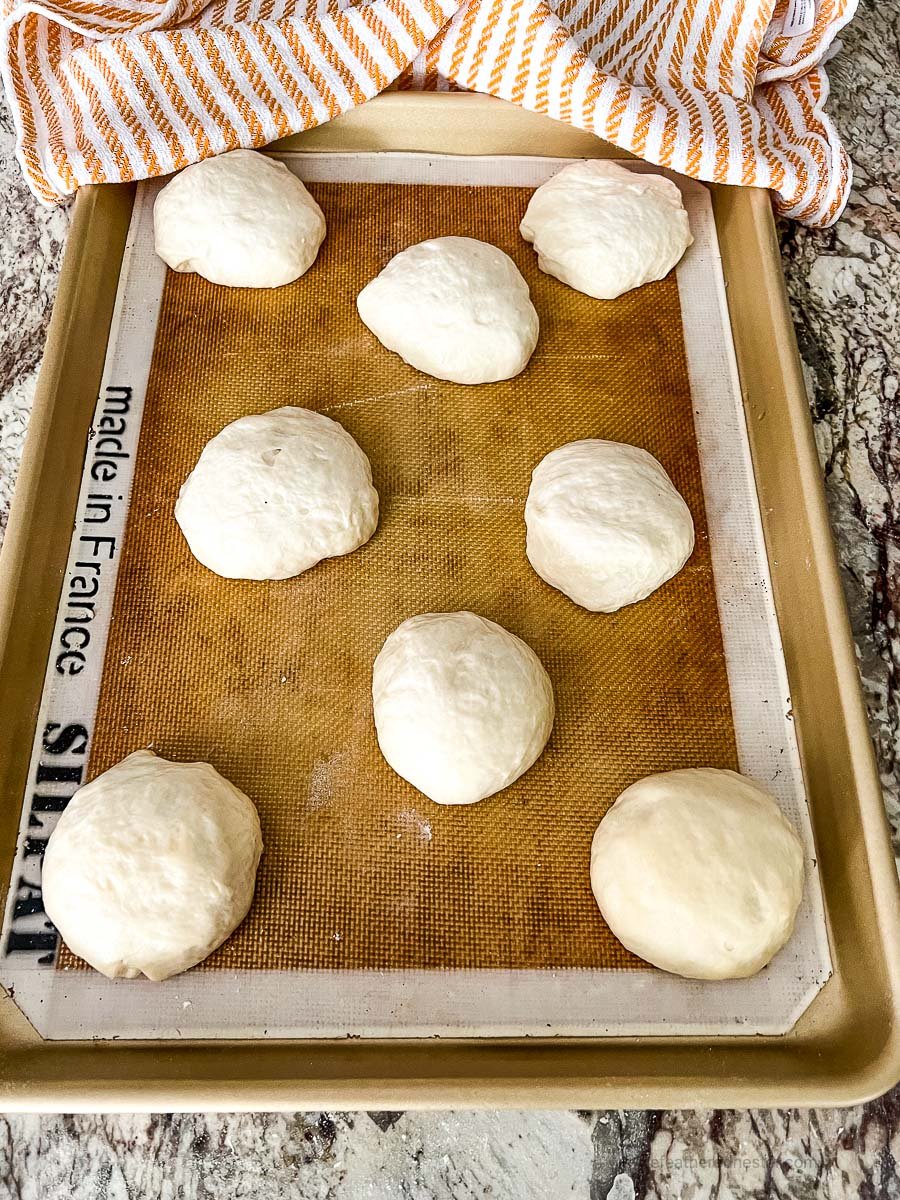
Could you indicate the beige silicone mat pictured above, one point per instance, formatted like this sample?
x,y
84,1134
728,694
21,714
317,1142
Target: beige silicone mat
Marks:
x,y
271,681
378,913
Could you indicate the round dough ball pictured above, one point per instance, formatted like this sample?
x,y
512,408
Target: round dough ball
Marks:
x,y
605,524
274,493
242,219
462,706
604,230
151,866
454,308
699,873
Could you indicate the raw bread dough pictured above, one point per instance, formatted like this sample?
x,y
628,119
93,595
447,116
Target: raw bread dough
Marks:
x,y
605,524
454,308
274,493
151,866
462,706
603,229
699,873
242,219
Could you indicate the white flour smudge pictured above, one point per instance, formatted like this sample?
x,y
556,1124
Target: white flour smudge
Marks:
x,y
411,822
324,778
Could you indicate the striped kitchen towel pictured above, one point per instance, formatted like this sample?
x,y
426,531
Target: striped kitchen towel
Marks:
x,y
726,90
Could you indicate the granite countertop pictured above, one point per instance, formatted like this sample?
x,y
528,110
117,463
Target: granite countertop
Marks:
x,y
844,285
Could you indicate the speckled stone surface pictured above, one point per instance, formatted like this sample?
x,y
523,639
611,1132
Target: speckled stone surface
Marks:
x,y
822,1155
844,286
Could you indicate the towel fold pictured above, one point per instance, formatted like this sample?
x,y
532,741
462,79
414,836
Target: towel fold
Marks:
x,y
725,90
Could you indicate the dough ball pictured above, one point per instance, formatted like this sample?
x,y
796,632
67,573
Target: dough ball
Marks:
x,y
454,308
605,524
151,866
604,230
462,707
274,493
699,873
241,219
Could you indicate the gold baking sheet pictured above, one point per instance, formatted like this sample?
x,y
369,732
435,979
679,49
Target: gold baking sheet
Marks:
x,y
846,1045
271,681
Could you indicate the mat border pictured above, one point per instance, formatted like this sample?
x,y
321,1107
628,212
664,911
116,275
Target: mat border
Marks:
x,y
525,1002
846,1048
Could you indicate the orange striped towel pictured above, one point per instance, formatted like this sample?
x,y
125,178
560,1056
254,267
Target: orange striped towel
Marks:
x,y
726,90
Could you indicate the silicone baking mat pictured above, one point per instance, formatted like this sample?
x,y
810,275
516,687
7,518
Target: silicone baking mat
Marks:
x,y
377,911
